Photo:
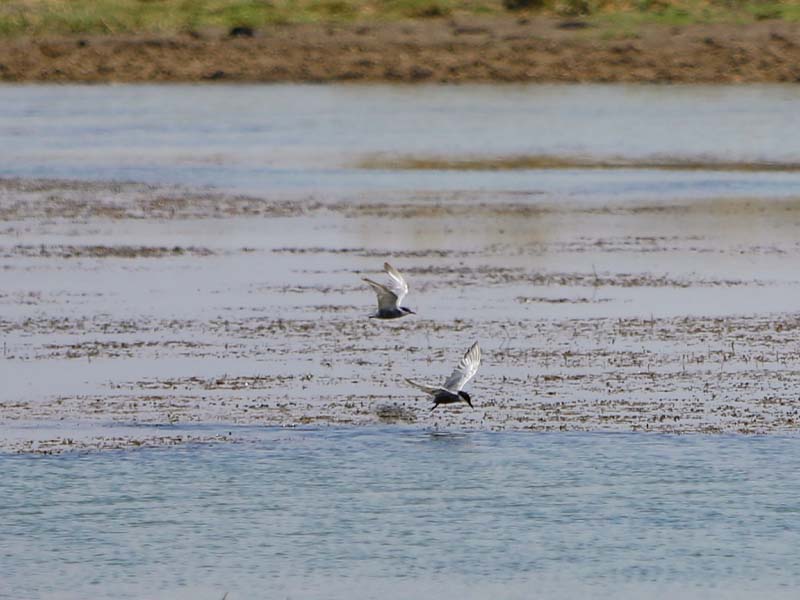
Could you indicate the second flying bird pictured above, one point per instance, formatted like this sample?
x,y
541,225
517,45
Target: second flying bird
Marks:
x,y
390,296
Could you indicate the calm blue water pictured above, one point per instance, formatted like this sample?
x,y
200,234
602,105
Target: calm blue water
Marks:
x,y
401,513
306,139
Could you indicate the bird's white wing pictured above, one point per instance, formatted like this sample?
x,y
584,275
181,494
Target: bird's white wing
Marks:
x,y
425,388
465,370
397,283
387,299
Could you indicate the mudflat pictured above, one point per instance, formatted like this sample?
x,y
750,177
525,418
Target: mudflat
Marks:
x,y
132,310
452,50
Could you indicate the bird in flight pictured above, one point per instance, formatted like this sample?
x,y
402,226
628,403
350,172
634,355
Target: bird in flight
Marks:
x,y
390,296
450,392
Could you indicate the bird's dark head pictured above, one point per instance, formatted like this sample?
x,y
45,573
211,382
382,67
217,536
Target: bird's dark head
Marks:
x,y
465,397
408,311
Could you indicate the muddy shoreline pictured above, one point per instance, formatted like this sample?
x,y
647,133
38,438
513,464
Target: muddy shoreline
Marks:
x,y
465,49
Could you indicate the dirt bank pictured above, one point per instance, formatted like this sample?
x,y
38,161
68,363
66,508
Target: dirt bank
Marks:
x,y
506,49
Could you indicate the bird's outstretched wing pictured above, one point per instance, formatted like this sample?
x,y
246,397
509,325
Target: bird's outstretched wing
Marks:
x,y
425,388
387,299
465,370
397,283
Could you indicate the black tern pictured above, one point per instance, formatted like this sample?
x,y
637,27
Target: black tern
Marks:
x,y
450,392
390,297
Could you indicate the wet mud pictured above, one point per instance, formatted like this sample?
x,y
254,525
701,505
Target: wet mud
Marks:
x,y
129,312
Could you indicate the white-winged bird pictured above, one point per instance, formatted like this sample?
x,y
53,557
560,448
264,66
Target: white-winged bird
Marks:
x,y
450,392
390,296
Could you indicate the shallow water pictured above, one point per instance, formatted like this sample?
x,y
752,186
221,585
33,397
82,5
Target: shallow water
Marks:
x,y
398,513
300,139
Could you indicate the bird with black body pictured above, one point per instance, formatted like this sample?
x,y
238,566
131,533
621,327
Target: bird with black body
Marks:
x,y
451,391
390,296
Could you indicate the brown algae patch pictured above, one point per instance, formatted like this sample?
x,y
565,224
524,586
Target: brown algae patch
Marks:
x,y
98,442
395,413
549,162
545,300
45,199
59,251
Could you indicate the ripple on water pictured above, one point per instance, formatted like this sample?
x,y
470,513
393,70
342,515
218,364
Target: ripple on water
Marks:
x,y
304,512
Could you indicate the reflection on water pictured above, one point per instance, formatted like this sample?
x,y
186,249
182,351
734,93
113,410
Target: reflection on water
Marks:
x,y
449,438
394,513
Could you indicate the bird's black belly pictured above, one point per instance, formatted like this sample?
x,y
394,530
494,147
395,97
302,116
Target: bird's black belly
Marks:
x,y
446,398
390,314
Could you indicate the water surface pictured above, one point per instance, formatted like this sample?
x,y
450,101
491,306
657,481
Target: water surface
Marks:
x,y
300,139
397,513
